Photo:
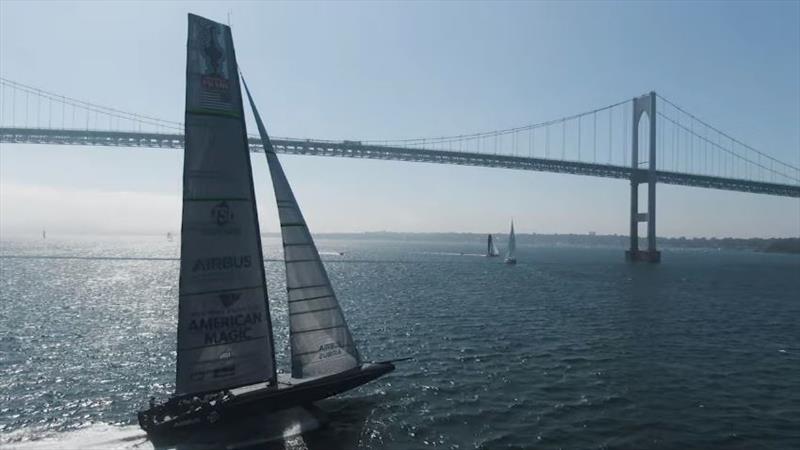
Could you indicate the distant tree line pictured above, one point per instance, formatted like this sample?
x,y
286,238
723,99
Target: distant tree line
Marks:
x,y
770,245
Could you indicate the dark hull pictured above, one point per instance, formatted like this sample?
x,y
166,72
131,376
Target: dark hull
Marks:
x,y
260,401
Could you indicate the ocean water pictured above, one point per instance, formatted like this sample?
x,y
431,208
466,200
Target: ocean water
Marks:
x,y
570,348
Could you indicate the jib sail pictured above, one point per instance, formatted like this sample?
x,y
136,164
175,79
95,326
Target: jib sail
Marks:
x,y
321,342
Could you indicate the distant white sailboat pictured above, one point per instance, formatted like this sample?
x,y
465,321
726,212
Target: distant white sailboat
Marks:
x,y
511,253
491,249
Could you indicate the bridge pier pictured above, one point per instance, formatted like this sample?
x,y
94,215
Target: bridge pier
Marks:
x,y
641,105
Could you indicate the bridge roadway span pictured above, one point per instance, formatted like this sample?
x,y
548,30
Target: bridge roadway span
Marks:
x,y
354,149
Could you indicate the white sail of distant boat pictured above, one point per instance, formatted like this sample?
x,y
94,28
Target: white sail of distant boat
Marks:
x,y
491,248
511,253
224,328
321,341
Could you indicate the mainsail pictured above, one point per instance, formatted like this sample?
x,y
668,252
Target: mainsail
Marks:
x,y
511,254
491,249
224,328
321,342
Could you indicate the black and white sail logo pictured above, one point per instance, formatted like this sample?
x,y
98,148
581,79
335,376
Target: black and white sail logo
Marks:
x,y
229,298
222,213
212,49
215,92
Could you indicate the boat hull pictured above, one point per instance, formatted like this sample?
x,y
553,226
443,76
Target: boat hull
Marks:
x,y
260,401
510,260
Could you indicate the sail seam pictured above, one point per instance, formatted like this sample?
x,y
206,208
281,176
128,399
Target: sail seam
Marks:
x,y
308,299
298,244
307,287
318,329
212,112
221,291
313,311
222,343
218,199
301,260
296,355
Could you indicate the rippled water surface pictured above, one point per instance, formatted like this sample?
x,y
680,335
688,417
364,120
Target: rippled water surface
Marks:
x,y
570,348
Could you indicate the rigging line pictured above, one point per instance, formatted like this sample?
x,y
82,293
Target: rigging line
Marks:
x,y
723,133
731,152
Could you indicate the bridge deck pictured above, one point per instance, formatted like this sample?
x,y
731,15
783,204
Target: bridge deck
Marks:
x,y
352,149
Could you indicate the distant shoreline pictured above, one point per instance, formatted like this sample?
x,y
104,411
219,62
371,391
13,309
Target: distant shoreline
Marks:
x,y
766,245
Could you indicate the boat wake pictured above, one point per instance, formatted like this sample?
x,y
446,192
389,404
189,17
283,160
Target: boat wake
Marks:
x,y
284,429
95,436
449,253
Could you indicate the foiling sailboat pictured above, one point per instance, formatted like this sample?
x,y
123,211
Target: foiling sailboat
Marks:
x,y
511,253
491,249
226,357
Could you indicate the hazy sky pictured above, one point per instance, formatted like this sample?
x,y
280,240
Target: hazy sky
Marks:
x,y
384,70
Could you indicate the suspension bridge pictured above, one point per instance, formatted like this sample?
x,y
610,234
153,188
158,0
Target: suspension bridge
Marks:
x,y
676,147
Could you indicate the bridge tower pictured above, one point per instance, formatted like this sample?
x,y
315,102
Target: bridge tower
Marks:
x,y
644,104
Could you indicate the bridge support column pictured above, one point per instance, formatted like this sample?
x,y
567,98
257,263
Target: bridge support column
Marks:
x,y
641,105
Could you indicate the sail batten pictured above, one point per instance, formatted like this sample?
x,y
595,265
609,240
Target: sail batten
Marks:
x,y
224,327
321,341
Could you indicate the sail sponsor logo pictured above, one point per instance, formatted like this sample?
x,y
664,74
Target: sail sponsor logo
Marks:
x,y
222,220
226,329
225,371
215,92
213,51
222,214
219,372
229,298
220,263
329,350
214,83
